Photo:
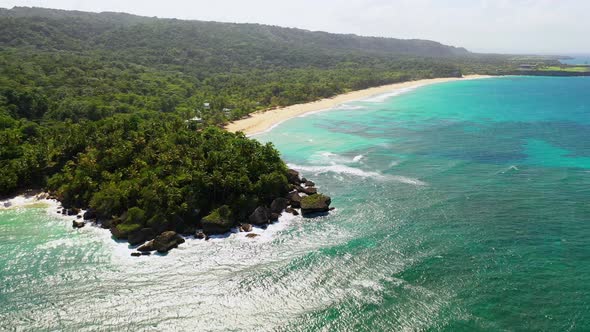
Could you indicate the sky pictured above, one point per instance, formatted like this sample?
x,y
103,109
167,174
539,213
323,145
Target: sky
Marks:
x,y
502,26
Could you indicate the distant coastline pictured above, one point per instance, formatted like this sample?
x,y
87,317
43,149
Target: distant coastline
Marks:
x,y
262,121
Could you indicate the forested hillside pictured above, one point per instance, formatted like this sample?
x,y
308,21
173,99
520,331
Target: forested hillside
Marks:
x,y
95,106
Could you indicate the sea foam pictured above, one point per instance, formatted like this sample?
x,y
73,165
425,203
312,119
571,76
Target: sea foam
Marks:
x,y
347,170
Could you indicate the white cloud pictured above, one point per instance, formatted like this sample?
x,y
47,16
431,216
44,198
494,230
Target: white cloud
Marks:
x,y
558,26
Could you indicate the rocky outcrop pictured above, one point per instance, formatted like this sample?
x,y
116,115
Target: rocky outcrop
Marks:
x,y
279,204
294,199
72,211
167,241
310,191
293,176
78,224
260,216
146,247
309,183
140,236
246,228
89,214
274,217
292,211
315,204
219,221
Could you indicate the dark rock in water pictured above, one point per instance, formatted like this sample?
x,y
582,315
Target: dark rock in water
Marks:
x,y
274,217
332,208
219,221
309,183
145,253
252,235
117,233
140,236
135,254
200,236
107,223
78,224
303,180
79,217
64,211
293,176
315,204
89,214
310,191
167,241
146,247
279,204
260,216
292,211
294,199
72,211
246,228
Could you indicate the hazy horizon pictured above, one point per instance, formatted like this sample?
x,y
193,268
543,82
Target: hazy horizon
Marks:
x,y
517,26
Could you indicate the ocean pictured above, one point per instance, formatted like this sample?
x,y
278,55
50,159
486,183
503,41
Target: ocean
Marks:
x,y
462,206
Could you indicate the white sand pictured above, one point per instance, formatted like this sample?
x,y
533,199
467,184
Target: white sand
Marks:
x,y
264,120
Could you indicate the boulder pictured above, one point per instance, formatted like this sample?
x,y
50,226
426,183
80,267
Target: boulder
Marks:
x,y
89,214
252,235
147,247
167,241
135,254
310,191
303,180
315,204
309,183
72,211
246,228
292,211
145,253
140,236
78,224
294,199
293,176
260,216
219,221
279,204
274,217
200,236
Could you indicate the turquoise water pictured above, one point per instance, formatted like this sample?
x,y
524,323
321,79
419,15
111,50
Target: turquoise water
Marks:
x,y
462,206
577,60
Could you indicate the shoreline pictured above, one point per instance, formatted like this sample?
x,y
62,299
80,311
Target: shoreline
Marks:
x,y
262,121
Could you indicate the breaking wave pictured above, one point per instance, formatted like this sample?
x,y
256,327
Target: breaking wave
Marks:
x,y
351,171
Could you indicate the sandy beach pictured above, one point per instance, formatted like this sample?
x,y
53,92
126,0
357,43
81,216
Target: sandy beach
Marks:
x,y
264,120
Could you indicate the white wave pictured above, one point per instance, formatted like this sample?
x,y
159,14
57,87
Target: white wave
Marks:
x,y
393,163
349,107
383,97
509,169
23,201
347,170
323,157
